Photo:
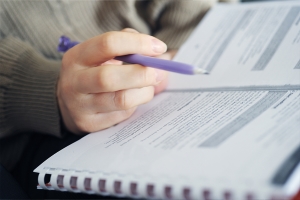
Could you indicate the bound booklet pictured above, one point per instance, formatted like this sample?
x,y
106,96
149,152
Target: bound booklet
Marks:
x,y
232,134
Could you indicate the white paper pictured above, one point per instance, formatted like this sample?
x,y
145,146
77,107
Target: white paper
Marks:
x,y
233,132
250,45
184,140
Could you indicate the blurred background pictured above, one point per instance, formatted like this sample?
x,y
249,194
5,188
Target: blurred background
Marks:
x,y
261,0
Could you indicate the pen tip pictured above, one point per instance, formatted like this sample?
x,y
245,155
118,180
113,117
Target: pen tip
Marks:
x,y
201,71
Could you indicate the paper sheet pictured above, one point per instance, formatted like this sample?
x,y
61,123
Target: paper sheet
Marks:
x,y
250,45
234,137
235,130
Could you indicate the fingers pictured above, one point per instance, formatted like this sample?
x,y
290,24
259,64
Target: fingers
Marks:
x,y
161,86
100,121
94,91
110,78
99,111
120,100
111,44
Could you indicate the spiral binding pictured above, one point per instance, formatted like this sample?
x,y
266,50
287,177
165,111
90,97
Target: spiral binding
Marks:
x,y
134,187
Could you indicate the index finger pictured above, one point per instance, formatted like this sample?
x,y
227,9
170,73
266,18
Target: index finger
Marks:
x,y
111,44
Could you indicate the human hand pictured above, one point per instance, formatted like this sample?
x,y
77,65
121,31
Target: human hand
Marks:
x,y
166,56
95,92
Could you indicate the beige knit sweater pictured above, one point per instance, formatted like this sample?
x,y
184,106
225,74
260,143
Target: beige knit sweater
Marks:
x,y
30,63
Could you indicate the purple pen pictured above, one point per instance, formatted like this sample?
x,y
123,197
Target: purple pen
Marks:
x,y
65,43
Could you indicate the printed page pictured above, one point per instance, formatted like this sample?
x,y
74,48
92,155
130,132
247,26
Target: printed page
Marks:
x,y
227,138
253,44
236,128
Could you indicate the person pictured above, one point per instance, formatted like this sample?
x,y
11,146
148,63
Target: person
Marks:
x,y
45,94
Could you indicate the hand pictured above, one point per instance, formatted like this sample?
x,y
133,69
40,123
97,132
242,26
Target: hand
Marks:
x,y
166,56
95,92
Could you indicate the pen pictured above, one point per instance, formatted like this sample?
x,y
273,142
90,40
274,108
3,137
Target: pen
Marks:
x,y
65,43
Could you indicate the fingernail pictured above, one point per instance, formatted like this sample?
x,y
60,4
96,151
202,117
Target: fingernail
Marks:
x,y
160,75
158,46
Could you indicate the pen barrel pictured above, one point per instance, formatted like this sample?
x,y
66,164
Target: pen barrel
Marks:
x,y
167,65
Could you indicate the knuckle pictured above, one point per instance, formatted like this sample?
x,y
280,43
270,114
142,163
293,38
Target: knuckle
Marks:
x,y
120,100
149,76
127,113
123,115
105,80
149,94
107,42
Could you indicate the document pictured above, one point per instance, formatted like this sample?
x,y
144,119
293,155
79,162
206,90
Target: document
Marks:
x,y
212,138
244,46
235,130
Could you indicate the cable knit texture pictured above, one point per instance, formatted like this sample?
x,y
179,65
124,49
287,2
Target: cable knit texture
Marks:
x,y
29,61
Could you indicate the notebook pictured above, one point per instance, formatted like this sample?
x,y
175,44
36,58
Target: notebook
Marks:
x,y
233,134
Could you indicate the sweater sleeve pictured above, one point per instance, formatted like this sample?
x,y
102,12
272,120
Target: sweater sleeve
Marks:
x,y
27,90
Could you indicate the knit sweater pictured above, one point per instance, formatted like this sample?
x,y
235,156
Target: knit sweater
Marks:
x,y
30,63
